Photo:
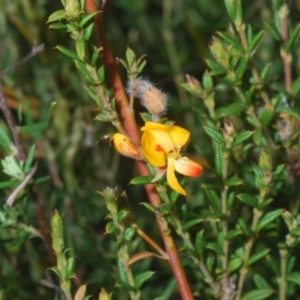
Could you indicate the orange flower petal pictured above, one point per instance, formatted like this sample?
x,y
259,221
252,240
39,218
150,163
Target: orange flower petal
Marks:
x,y
154,154
172,180
187,167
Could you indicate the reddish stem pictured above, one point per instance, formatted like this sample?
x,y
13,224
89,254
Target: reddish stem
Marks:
x,y
133,131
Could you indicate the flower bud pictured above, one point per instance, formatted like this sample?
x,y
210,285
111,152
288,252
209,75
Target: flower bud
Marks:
x,y
125,146
154,100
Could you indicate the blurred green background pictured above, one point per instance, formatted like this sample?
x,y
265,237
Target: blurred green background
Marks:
x,y
73,152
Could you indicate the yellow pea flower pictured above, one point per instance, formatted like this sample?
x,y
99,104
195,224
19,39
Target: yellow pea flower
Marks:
x,y
125,146
161,145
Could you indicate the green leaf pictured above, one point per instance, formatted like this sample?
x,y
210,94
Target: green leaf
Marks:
x,y
141,180
215,247
294,277
235,11
232,41
234,264
39,127
57,26
86,18
29,159
234,181
254,43
232,234
219,159
191,223
5,141
264,203
130,56
274,264
215,68
199,243
67,52
84,72
248,199
57,16
241,137
257,256
260,282
129,233
229,110
296,87
141,278
266,116
213,199
272,29
207,81
215,134
88,31
245,227
258,294
122,214
268,218
293,40
241,67
8,184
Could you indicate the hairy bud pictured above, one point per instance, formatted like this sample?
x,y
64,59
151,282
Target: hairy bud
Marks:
x,y
154,100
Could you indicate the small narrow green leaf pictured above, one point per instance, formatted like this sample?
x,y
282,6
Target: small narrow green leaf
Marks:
x,y
258,294
215,68
274,264
293,40
232,41
272,29
129,233
57,26
241,67
207,81
254,43
67,52
248,199
80,48
86,18
234,264
29,159
234,181
268,218
215,247
84,72
266,116
296,87
294,277
213,199
57,16
232,234
219,159
141,180
142,278
257,256
88,31
199,243
260,282
191,223
8,184
241,137
130,56
229,110
215,134
5,141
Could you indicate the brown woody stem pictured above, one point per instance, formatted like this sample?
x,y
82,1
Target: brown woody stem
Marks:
x,y
130,125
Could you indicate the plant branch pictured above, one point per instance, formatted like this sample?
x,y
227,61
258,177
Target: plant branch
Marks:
x,y
130,125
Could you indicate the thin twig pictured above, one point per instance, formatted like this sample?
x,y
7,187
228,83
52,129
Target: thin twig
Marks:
x,y
11,199
34,51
